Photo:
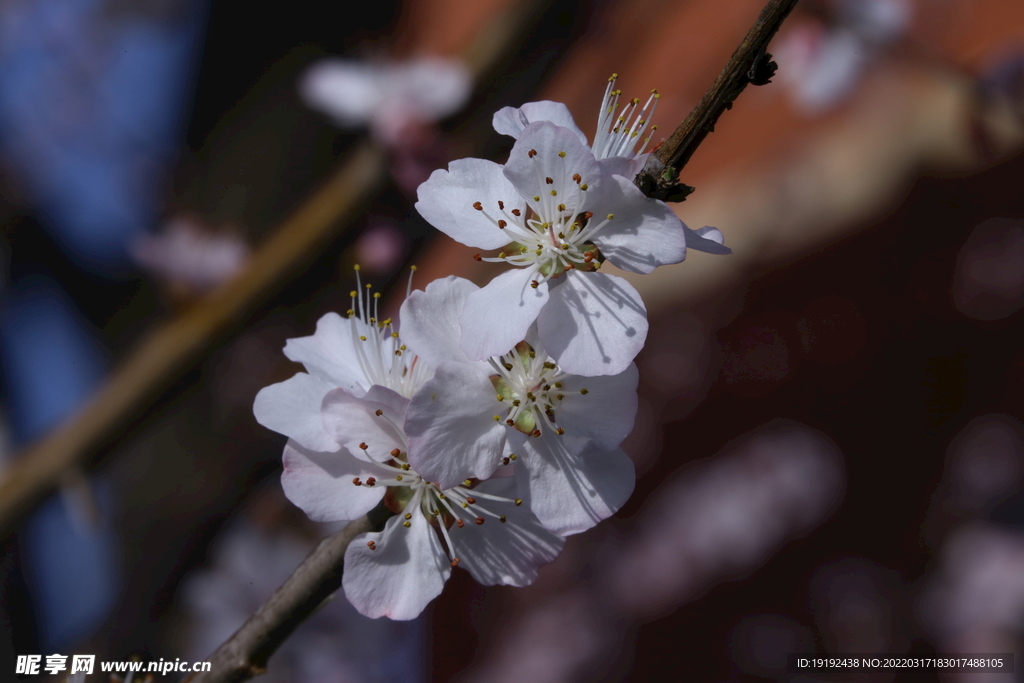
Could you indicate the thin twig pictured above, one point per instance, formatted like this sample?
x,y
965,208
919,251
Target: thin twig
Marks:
x,y
750,63
245,654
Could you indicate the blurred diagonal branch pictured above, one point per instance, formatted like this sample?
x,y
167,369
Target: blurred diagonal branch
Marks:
x,y
750,63
169,348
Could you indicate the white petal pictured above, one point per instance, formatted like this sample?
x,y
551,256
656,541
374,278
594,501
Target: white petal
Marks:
x,y
707,239
644,232
446,201
400,578
607,411
572,484
330,352
594,324
497,317
350,92
530,175
353,421
451,427
430,320
508,553
321,483
512,120
292,408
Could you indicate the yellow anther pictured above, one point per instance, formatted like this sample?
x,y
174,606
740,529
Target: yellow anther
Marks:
x,y
413,268
561,154
408,515
612,79
394,335
356,267
398,477
584,187
536,198
554,193
468,482
376,295
362,338
512,456
500,398
519,501
584,391
353,293
497,418
407,524
611,216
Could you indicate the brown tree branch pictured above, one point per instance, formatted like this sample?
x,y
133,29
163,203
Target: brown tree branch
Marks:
x,y
750,63
245,654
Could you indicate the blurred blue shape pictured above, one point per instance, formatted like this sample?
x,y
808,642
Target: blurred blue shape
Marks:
x,y
51,363
91,111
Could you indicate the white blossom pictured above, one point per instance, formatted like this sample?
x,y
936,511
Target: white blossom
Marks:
x,y
348,451
480,526
556,212
619,145
355,353
565,428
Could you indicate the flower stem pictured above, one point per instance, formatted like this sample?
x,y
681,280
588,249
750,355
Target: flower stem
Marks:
x,y
245,654
750,63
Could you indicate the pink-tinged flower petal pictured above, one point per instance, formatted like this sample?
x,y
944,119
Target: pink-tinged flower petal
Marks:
x,y
350,92
451,427
605,413
512,120
330,352
593,324
571,484
353,421
707,239
509,553
642,234
497,317
405,572
292,408
430,320
448,201
321,483
537,169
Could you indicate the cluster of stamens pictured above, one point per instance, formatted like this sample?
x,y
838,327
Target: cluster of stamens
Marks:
x,y
529,383
443,508
382,356
616,136
550,236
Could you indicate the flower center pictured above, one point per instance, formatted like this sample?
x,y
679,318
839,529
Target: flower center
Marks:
x,y
552,237
529,384
442,508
